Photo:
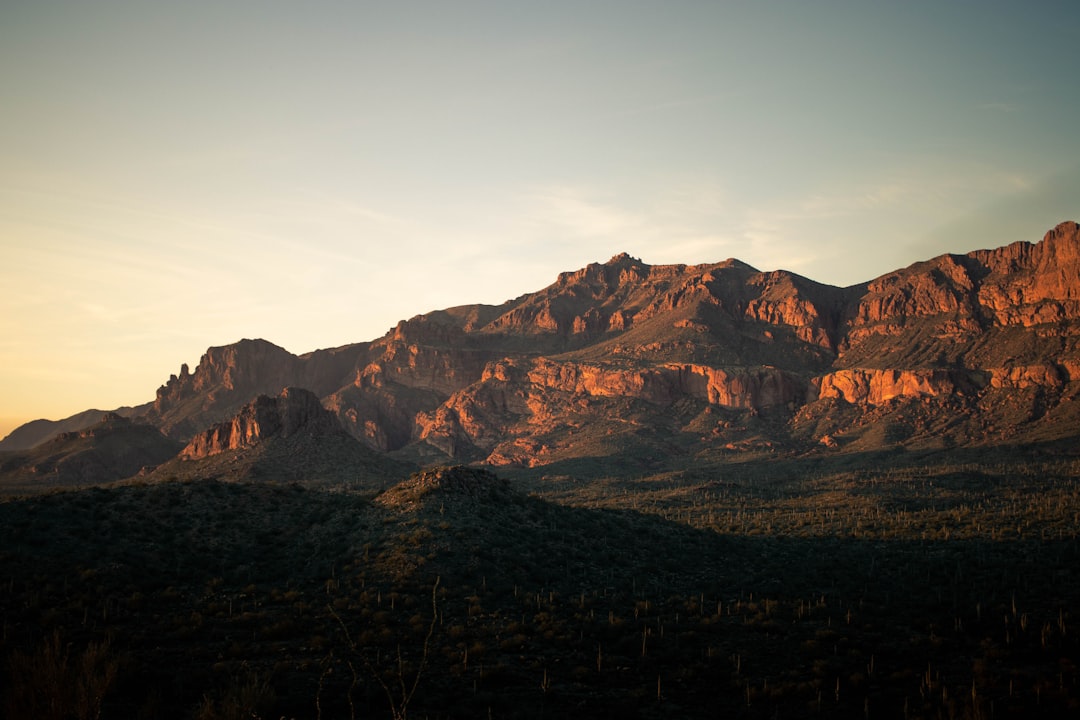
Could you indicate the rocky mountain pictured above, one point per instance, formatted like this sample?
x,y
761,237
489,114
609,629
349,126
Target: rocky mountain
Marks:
x,y
295,411
688,361
113,448
290,437
227,378
624,367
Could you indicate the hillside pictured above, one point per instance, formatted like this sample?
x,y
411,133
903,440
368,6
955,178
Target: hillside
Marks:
x,y
36,432
111,449
287,438
925,591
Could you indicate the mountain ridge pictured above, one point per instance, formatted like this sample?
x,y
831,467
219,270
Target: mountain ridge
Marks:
x,y
663,365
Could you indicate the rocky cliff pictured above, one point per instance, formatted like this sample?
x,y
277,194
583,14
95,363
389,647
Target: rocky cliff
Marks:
x,y
228,377
292,412
989,308
658,347
289,437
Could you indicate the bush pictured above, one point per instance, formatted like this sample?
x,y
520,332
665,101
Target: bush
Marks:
x,y
50,684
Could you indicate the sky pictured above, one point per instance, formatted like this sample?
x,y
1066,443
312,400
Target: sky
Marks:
x,y
180,175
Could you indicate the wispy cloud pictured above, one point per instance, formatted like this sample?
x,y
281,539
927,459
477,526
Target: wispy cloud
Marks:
x,y
841,234
578,214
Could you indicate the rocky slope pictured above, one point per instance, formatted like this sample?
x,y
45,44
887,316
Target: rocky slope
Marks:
x,y
978,348
228,377
293,412
622,366
290,437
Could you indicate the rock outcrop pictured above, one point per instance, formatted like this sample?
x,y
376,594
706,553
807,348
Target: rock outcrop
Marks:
x,y
228,377
877,387
287,438
971,309
292,412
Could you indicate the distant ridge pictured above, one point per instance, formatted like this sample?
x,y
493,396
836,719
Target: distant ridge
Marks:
x,y
36,432
111,449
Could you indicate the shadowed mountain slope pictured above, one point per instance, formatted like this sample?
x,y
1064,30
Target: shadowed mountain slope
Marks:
x,y
287,438
228,377
36,432
112,449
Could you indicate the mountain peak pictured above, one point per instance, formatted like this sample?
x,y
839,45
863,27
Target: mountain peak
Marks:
x,y
1069,228
624,258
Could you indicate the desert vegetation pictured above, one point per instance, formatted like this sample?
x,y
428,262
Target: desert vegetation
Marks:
x,y
924,589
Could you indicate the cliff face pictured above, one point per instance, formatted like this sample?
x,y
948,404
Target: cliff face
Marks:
x,y
971,310
1029,284
749,388
656,346
230,376
293,411
287,438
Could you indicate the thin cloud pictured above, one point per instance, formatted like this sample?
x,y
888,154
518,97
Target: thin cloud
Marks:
x,y
576,215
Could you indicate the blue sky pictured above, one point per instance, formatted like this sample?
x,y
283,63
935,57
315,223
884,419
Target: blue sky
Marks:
x,y
180,175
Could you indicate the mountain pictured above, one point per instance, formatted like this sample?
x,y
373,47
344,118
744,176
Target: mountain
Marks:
x,y
628,368
670,365
36,432
113,448
290,437
228,377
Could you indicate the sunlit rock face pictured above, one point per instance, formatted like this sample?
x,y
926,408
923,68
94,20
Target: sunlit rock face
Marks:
x,y
877,387
228,377
956,299
532,380
954,329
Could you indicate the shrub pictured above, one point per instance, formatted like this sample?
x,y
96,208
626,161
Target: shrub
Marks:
x,y
50,684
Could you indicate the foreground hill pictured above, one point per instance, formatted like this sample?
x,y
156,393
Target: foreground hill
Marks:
x,y
623,367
